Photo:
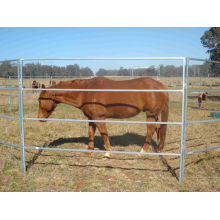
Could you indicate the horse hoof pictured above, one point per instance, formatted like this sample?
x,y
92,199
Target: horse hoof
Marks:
x,y
107,156
158,150
142,150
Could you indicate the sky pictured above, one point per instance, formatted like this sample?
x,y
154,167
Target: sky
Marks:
x,y
101,42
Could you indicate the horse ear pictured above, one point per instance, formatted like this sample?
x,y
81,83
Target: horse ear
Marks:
x,y
43,86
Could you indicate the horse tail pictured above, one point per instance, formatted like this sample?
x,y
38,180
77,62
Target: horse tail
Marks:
x,y
161,131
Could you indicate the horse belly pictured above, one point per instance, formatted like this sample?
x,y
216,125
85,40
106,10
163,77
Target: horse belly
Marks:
x,y
121,112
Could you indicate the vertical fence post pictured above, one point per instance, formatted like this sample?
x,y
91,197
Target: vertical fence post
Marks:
x,y
158,73
21,114
132,73
94,74
51,79
10,102
184,117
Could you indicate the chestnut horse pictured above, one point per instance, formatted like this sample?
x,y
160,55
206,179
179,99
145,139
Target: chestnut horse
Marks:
x,y
101,105
35,85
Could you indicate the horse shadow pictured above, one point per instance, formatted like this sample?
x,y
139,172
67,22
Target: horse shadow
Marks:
x,y
124,140
117,140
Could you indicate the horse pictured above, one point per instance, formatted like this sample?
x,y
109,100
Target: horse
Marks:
x,y
98,105
52,82
35,85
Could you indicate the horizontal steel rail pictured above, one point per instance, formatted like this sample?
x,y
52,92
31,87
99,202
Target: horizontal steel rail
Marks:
x,y
203,150
9,117
8,88
49,76
106,90
6,95
14,60
100,151
104,58
12,145
25,103
63,76
30,77
202,90
102,121
18,95
202,121
76,77
210,61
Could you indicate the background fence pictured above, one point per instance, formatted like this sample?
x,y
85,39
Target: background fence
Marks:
x,y
183,88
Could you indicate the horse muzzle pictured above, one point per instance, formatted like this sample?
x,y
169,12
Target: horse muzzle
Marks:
x,y
42,120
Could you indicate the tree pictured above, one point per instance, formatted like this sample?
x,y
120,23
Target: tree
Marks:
x,y
211,40
8,68
123,72
86,71
102,72
73,70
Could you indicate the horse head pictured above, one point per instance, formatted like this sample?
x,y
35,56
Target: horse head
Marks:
x,y
46,104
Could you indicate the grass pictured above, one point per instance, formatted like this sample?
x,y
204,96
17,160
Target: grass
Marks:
x,y
74,171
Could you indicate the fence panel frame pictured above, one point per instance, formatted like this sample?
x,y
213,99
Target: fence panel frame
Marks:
x,y
21,115
183,122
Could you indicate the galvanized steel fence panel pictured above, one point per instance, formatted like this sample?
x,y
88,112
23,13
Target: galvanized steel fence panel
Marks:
x,y
183,123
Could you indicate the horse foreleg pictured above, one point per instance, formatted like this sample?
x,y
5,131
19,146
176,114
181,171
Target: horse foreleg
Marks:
x,y
104,133
151,128
92,128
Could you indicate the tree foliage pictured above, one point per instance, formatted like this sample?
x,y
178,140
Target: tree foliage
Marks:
x,y
36,69
211,40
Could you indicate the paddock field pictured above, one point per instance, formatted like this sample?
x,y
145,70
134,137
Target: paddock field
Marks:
x,y
75,171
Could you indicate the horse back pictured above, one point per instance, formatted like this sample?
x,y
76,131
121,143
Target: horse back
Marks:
x,y
139,83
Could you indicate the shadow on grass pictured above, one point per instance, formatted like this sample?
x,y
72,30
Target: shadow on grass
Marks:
x,y
116,140
124,140
32,161
208,158
191,139
103,166
168,169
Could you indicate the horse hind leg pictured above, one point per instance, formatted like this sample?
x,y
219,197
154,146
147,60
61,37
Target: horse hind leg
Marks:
x,y
162,136
151,128
163,128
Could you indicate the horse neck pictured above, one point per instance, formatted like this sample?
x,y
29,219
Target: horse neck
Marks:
x,y
67,97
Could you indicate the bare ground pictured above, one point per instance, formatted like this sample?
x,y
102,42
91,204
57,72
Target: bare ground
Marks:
x,y
72,171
